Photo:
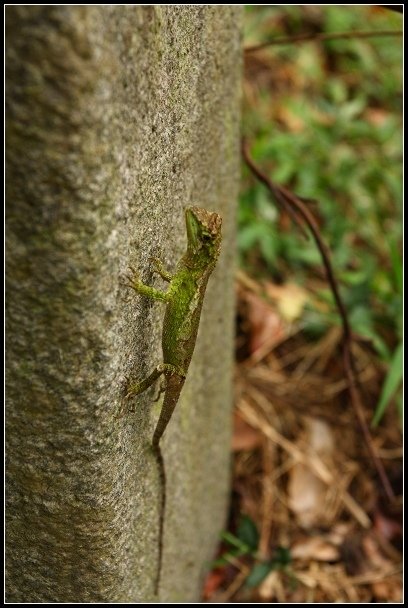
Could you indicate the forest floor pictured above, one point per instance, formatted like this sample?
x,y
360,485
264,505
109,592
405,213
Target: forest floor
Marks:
x,y
316,503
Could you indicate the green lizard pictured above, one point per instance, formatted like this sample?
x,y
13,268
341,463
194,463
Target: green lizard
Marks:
x,y
184,301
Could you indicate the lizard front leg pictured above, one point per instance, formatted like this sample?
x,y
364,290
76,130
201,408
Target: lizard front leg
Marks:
x,y
159,268
145,290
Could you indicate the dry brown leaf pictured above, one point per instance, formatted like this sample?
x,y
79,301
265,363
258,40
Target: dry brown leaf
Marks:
x,y
265,323
271,586
315,547
339,532
290,299
386,527
307,493
313,461
377,116
244,437
291,120
319,437
389,590
213,582
374,554
307,496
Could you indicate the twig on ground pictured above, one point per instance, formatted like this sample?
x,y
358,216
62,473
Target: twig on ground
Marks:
x,y
313,36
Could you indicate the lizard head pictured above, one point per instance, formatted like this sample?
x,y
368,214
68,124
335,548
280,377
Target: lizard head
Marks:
x,y
203,235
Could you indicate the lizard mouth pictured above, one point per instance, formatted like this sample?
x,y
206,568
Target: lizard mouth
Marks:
x,y
192,226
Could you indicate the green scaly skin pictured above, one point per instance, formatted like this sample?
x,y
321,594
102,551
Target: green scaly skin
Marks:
x,y
184,300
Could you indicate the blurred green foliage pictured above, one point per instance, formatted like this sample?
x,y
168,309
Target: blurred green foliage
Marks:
x,y
244,544
325,119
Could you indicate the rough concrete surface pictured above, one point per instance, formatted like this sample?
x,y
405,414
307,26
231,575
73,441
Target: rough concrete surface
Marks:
x,y
118,117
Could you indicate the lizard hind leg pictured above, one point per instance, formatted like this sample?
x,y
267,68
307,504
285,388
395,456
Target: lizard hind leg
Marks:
x,y
140,387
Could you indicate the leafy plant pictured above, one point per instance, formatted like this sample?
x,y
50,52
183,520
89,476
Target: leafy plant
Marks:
x,y
245,544
325,120
391,384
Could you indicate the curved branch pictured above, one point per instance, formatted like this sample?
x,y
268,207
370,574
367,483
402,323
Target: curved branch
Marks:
x,y
322,38
301,211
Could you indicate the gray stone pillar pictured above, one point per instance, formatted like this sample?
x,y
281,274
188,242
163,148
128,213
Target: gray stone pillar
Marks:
x,y
118,117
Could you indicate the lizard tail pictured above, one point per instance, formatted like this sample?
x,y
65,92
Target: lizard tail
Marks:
x,y
162,474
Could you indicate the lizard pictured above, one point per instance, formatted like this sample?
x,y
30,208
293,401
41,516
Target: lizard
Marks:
x,y
184,300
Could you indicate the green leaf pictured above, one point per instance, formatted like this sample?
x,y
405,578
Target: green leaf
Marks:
x,y
396,261
351,109
231,539
282,556
258,573
248,236
362,324
391,384
247,532
268,245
